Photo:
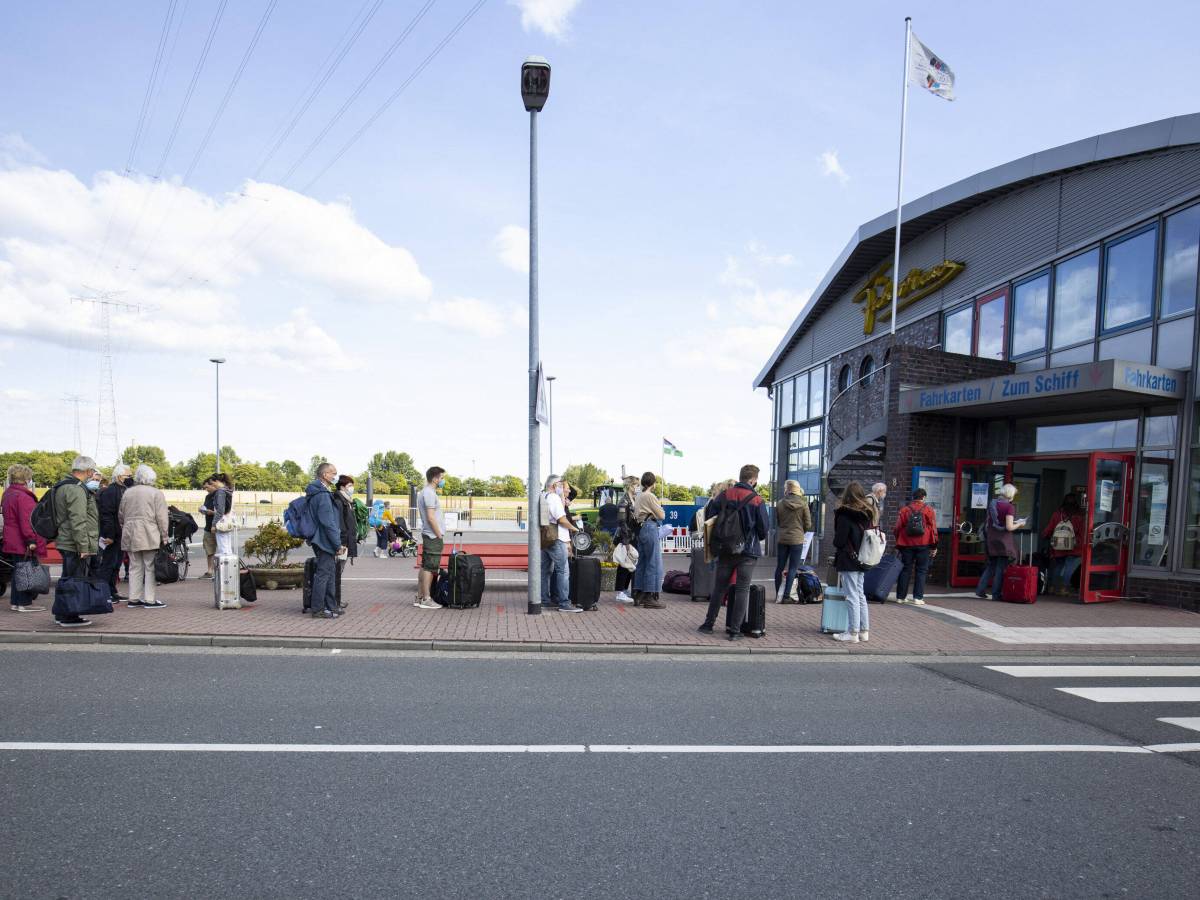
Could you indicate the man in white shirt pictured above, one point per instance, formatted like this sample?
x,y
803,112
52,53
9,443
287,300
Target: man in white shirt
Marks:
x,y
554,556
433,533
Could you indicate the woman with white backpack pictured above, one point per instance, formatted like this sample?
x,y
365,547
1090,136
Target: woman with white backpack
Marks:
x,y
859,544
1064,532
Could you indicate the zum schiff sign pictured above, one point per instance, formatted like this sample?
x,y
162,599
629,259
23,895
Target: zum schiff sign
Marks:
x,y
876,295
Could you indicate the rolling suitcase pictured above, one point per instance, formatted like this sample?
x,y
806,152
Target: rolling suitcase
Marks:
x,y
584,588
880,580
1020,582
466,576
227,583
835,618
701,574
756,612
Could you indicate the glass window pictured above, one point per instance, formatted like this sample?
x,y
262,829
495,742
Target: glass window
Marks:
x,y
801,398
1031,299
1134,347
804,461
866,372
787,391
1179,261
993,318
1075,282
1191,523
1129,280
1032,437
958,331
1161,431
1075,355
1175,344
816,393
844,379
1151,537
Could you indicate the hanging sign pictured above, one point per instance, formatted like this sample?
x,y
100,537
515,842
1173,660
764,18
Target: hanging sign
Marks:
x,y
1105,499
979,495
1156,532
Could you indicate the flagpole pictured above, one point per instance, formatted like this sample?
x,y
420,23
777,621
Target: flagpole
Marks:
x,y
663,468
900,175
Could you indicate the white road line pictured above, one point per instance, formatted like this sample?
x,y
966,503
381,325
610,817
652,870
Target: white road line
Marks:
x,y
1098,671
659,749
1192,723
1135,694
1173,748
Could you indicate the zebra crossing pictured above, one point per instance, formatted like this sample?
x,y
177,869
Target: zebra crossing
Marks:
x,y
1105,692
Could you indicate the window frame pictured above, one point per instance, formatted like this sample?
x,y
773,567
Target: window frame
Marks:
x,y
1102,306
958,310
845,376
1159,315
867,378
980,302
1098,249
1048,273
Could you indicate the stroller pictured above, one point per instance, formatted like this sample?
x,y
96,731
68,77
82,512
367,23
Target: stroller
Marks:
x,y
401,541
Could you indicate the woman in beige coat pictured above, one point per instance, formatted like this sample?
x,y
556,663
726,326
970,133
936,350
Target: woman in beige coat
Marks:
x,y
793,518
143,518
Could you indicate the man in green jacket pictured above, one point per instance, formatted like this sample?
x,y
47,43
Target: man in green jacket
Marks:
x,y
78,519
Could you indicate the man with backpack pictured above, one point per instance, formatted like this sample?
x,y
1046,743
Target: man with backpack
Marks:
x,y
326,541
737,536
69,511
916,538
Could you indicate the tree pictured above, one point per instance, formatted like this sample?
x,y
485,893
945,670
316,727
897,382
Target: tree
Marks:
x,y
229,457
764,491
198,468
152,456
293,474
477,487
394,465
454,486
507,486
586,477
313,463
678,493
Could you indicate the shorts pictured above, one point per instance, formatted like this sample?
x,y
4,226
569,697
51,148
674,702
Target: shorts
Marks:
x,y
210,544
431,553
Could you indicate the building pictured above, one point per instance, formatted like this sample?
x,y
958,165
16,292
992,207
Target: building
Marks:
x,y
1046,336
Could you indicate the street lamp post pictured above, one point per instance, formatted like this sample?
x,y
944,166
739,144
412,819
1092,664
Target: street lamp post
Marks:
x,y
550,415
535,88
217,366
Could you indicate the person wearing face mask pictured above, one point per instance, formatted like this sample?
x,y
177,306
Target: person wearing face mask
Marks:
x,y
342,497
78,520
556,575
221,503
108,502
326,542
433,533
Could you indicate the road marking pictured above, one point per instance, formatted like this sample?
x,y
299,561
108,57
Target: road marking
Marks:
x,y
1192,723
1082,636
1135,694
1098,671
650,749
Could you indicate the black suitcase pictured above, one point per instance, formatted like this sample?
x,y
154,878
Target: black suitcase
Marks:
x,y
310,569
881,579
466,577
584,587
756,612
702,576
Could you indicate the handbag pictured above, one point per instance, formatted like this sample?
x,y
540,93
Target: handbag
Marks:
x,y
225,525
166,569
31,577
870,550
75,596
626,556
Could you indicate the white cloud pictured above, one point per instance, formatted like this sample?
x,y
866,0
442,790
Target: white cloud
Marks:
x,y
466,314
830,165
547,16
512,247
16,151
762,257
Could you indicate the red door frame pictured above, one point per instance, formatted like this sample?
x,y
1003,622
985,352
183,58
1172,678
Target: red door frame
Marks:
x,y
958,554
979,304
1121,566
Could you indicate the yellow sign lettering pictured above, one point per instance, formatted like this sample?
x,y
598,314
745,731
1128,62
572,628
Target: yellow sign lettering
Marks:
x,y
876,295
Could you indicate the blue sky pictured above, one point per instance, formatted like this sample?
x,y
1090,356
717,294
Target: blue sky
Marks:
x,y
702,165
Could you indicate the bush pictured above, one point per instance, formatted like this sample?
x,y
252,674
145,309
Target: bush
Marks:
x,y
604,543
271,544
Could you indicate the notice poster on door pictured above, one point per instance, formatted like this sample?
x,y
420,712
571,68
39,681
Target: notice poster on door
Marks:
x,y
938,485
1156,531
979,495
1105,500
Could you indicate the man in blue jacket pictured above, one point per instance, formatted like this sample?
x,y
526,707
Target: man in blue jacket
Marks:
x,y
753,512
326,542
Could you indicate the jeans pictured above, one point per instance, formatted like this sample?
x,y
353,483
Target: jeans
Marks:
x,y
554,563
141,575
109,561
788,556
324,588
856,601
648,576
1061,570
993,577
913,558
728,567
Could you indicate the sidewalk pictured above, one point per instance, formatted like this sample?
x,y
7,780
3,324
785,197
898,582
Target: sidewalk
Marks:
x,y
380,593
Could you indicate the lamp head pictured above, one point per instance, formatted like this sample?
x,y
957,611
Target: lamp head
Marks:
x,y
535,83
217,361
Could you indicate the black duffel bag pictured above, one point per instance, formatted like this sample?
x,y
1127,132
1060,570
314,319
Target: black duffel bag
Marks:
x,y
166,570
74,596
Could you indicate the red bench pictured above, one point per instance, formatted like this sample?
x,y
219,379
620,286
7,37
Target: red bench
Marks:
x,y
514,557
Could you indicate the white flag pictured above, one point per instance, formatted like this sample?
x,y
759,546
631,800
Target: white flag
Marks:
x,y
929,70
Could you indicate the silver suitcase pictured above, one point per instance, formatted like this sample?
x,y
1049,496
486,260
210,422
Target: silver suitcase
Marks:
x,y
227,583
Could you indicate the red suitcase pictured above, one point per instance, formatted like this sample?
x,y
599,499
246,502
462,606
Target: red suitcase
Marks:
x,y
1020,583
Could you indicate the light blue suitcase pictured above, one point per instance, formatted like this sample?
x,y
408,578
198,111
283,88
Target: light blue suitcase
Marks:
x,y
834,617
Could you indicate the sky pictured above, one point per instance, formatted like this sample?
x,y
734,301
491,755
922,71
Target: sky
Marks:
x,y
356,247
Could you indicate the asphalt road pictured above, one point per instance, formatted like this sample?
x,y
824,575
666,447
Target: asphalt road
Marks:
x,y
589,822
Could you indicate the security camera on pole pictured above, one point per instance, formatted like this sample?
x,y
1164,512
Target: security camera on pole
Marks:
x,y
535,88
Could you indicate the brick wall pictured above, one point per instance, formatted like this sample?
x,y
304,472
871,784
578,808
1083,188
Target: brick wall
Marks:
x,y
1174,592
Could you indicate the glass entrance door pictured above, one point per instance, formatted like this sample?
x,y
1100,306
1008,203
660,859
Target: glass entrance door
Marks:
x,y
1109,513
975,483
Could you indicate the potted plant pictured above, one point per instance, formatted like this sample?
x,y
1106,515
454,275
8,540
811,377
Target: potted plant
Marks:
x,y
270,546
608,568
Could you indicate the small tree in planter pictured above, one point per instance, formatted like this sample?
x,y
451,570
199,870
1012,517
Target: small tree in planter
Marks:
x,y
608,568
270,545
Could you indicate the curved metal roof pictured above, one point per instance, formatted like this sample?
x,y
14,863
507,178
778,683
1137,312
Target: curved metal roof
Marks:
x,y
873,240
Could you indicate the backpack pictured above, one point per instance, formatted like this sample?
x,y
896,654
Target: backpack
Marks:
x,y
298,519
915,526
44,517
362,519
729,531
1063,536
375,516
870,551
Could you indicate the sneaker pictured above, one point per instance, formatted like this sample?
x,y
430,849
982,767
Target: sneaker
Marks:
x,y
28,608
157,604
705,629
847,637
901,599
206,575
78,624
134,604
429,603
735,635
118,598
917,601
623,597
864,636
570,607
